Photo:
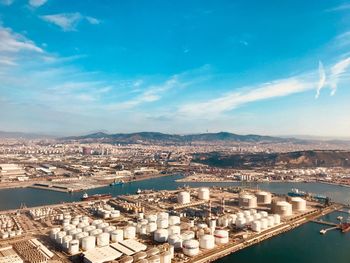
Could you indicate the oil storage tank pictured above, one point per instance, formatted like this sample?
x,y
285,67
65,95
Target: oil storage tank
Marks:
x,y
263,197
247,201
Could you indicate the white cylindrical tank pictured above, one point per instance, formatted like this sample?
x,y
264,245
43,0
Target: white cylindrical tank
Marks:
x,y
256,226
298,204
174,230
212,223
151,218
59,237
175,240
81,235
252,211
203,193
257,216
73,247
263,214
89,228
66,241
263,197
223,221
277,219
96,222
117,235
163,215
129,232
247,201
187,235
102,225
162,223
207,241
75,231
53,232
109,229
221,236
95,232
282,208
151,227
102,240
161,235
246,213
270,221
190,247
88,243
249,219
183,198
240,222
264,223
174,220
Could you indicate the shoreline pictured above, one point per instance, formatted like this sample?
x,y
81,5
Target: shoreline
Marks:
x,y
19,185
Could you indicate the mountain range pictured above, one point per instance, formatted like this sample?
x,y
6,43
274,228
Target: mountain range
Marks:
x,y
173,138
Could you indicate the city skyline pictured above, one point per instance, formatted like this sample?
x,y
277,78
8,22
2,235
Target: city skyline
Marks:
x,y
262,68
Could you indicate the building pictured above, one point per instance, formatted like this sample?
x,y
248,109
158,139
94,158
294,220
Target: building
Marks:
x,y
9,172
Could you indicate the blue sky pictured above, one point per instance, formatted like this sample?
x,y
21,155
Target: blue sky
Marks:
x,y
266,67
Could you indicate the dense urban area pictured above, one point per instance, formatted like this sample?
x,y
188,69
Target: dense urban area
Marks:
x,y
184,225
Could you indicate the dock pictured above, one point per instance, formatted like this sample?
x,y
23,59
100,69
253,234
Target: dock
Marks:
x,y
321,222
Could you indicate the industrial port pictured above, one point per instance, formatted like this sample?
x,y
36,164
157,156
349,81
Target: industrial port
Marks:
x,y
183,225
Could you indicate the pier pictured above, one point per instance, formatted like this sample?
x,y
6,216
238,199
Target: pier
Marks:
x,y
321,222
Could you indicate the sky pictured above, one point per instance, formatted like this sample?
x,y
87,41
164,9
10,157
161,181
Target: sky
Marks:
x,y
263,67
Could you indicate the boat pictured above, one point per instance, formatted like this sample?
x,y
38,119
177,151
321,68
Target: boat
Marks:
x,y
340,218
115,182
323,231
345,226
139,191
86,197
296,192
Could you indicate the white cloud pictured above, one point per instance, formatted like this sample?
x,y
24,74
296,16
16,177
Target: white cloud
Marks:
x,y
322,79
339,8
92,20
12,42
69,21
336,73
154,93
230,101
66,21
37,3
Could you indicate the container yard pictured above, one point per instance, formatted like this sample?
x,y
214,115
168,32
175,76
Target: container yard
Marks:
x,y
184,225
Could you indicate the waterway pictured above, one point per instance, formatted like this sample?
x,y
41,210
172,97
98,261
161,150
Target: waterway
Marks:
x,y
303,244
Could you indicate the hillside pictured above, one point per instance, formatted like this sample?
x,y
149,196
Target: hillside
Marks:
x,y
292,159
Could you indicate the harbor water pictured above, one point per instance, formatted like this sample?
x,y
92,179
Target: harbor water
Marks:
x,y
303,244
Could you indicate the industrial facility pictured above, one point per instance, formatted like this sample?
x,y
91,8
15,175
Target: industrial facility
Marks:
x,y
184,225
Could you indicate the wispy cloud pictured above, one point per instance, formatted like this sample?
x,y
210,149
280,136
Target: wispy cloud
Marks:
x,y
69,21
339,8
230,101
13,42
151,94
336,73
322,79
37,3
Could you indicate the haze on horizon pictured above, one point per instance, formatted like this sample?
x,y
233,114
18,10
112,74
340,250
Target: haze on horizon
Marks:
x,y
248,67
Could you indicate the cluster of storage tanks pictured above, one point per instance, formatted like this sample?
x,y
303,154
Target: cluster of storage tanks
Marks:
x,y
39,213
107,211
283,208
9,227
79,233
184,197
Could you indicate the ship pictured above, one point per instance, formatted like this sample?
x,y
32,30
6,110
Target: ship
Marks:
x,y
345,226
139,191
86,197
120,182
296,192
